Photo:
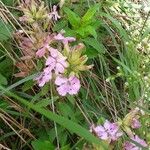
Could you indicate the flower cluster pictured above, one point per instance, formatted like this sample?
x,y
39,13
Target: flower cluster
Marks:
x,y
131,146
70,85
58,67
62,61
111,132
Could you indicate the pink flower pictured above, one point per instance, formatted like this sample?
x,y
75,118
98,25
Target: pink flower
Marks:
x,y
45,77
54,14
69,85
135,123
131,146
109,131
63,39
56,61
41,52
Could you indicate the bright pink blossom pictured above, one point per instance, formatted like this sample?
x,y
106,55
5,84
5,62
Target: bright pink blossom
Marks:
x,y
109,131
135,123
63,39
54,14
69,85
131,146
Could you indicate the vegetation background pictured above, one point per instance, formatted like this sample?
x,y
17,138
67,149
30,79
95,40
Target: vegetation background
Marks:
x,y
116,34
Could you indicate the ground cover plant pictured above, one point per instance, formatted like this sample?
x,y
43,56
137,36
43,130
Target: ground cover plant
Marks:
x,y
74,74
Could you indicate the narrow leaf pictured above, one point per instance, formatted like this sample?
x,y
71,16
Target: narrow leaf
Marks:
x,y
73,18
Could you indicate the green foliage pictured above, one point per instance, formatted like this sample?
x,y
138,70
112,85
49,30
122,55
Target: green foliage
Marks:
x,y
40,144
9,2
82,26
87,18
70,125
118,45
5,31
73,18
95,46
3,80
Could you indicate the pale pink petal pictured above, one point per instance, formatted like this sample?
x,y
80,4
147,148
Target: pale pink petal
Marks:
x,y
74,89
140,141
65,64
47,77
50,60
59,68
74,85
131,146
71,85
63,39
103,136
109,131
107,124
60,80
99,129
59,37
41,52
128,146
41,83
47,70
54,52
54,14
62,90
44,78
69,39
135,123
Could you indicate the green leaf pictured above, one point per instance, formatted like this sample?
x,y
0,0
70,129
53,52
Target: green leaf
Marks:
x,y
28,85
81,31
3,80
73,18
31,77
95,44
3,104
90,13
5,31
91,53
6,67
42,144
66,147
60,25
91,30
46,102
8,2
65,110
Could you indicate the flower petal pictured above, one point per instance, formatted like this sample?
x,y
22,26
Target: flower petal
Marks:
x,y
41,52
60,80
63,90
